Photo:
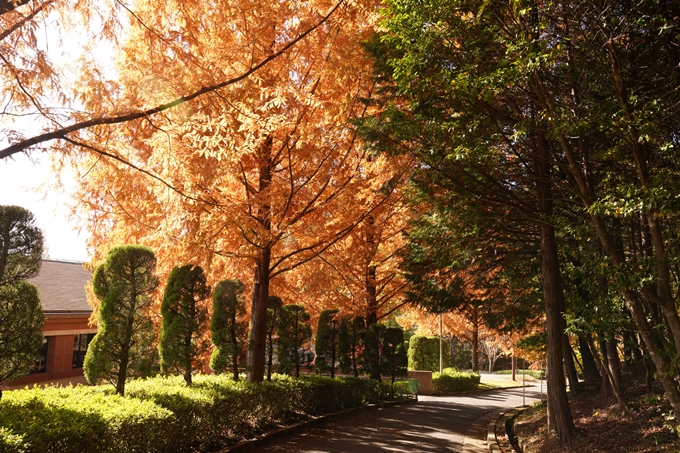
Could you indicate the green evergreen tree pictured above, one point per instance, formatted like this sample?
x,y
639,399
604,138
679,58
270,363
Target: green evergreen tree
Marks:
x,y
423,353
326,342
184,319
123,346
294,334
375,336
394,359
228,326
351,344
21,313
274,304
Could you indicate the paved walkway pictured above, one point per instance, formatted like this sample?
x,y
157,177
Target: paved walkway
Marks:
x,y
433,424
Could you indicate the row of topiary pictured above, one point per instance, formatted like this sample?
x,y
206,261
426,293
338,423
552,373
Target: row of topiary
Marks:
x,y
162,414
124,345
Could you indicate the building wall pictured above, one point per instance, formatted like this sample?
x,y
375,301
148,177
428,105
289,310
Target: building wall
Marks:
x,y
61,329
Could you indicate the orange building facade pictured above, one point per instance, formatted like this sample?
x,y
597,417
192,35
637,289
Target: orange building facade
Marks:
x,y
61,286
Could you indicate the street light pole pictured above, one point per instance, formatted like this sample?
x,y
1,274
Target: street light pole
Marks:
x,y
524,389
441,344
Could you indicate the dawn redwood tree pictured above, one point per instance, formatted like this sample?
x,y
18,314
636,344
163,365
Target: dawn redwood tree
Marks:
x,y
274,304
294,334
260,173
351,344
124,344
228,326
21,313
326,342
184,320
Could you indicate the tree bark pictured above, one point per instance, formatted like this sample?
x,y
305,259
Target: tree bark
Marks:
x,y
553,297
590,372
654,348
615,367
569,364
475,340
258,318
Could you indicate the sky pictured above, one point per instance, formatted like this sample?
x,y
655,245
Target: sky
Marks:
x,y
22,184
22,180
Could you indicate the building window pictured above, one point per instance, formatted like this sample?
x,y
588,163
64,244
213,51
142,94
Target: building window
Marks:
x,y
40,365
80,344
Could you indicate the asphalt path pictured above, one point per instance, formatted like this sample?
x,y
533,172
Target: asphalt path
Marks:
x,y
433,424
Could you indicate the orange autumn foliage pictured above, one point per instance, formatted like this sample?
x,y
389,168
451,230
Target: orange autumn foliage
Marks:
x,y
253,180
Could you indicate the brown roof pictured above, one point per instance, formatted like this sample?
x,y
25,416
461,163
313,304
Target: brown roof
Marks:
x,y
62,287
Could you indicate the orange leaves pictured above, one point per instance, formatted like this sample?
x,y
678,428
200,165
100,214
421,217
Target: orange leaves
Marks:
x,y
288,124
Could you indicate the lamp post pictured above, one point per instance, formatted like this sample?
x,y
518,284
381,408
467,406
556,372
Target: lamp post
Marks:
x,y
441,344
524,389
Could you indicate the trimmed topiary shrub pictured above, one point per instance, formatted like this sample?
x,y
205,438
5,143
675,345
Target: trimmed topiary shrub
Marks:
x,y
454,381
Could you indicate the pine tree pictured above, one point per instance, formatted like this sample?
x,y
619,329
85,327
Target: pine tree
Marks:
x,y
394,360
326,342
274,304
123,346
351,344
375,337
21,313
184,319
294,334
228,326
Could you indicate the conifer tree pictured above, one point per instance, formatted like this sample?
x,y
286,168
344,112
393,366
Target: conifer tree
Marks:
x,y
394,359
274,304
123,346
184,319
326,344
21,314
351,344
294,334
228,326
375,336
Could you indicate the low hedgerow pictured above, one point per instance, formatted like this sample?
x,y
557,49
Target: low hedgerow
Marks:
x,y
78,419
453,381
162,414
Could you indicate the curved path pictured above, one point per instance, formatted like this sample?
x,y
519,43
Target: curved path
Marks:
x,y
433,424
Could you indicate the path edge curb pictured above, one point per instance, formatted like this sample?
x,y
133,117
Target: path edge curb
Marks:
x,y
269,436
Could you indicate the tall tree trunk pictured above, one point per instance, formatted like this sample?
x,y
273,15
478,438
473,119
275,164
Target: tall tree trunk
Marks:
x,y
654,348
590,372
234,341
615,367
258,316
296,353
569,364
553,299
606,381
270,355
187,359
475,340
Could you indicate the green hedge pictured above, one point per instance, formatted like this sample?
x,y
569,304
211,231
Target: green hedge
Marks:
x,y
163,415
453,381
